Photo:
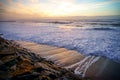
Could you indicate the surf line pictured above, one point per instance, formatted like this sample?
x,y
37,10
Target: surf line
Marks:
x,y
83,65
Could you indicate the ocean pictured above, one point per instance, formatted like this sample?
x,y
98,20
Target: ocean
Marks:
x,y
89,36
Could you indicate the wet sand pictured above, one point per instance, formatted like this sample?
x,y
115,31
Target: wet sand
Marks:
x,y
97,68
60,56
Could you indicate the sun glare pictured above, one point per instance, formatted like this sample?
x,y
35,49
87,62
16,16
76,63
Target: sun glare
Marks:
x,y
55,8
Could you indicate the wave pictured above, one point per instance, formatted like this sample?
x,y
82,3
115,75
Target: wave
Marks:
x,y
100,40
107,24
102,29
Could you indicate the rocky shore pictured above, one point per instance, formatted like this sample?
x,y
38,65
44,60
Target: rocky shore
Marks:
x,y
18,63
21,60
91,66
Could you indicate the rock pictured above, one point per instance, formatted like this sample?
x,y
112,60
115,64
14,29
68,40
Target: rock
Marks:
x,y
3,68
39,69
53,76
23,67
27,76
17,63
43,77
1,62
13,68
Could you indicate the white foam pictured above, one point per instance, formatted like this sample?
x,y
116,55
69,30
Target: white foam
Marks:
x,y
92,40
84,65
78,63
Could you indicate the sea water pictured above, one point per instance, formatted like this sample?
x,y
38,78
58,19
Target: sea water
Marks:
x,y
89,36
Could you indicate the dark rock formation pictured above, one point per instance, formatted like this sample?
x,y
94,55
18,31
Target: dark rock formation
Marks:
x,y
17,63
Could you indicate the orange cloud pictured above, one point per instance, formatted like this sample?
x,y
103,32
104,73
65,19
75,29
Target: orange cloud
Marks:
x,y
1,3
10,0
53,8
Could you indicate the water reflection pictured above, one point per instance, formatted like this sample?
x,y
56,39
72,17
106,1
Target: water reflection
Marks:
x,y
65,27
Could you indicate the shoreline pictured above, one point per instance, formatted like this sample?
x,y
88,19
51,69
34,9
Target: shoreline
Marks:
x,y
18,63
99,68
84,67
52,53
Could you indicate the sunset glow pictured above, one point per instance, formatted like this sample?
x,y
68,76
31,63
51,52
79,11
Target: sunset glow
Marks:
x,y
58,8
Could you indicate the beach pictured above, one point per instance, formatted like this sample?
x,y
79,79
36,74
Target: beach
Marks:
x,y
18,63
94,67
21,59
59,39
89,48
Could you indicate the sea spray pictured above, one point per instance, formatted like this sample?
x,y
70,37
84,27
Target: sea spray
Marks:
x,y
83,65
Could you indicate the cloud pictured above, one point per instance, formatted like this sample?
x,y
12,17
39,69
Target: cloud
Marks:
x,y
34,1
61,1
40,8
18,9
1,4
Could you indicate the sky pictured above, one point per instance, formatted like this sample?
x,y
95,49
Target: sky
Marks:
x,y
58,8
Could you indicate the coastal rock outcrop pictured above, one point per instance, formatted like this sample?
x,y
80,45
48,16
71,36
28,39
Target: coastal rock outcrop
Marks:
x,y
17,63
91,66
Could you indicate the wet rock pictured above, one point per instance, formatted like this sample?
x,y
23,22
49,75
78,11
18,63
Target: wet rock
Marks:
x,y
3,68
13,68
17,63
43,77
53,76
1,62
27,76
40,69
23,67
